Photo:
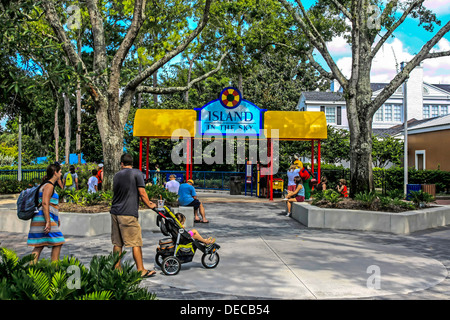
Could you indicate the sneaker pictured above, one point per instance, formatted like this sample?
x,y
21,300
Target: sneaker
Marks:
x,y
288,214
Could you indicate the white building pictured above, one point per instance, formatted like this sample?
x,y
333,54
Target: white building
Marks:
x,y
424,101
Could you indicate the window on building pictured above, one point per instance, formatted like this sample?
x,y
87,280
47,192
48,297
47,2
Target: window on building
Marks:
x,y
426,111
398,112
379,115
388,113
434,111
330,114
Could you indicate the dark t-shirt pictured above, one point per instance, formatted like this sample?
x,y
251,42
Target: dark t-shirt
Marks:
x,y
126,194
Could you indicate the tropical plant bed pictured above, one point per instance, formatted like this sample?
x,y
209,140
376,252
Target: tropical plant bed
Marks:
x,y
74,207
373,201
377,205
95,208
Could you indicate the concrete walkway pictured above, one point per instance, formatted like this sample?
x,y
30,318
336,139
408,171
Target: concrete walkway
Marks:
x,y
266,255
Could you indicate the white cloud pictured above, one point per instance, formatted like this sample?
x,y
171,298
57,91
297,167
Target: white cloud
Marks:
x,y
390,56
437,6
339,46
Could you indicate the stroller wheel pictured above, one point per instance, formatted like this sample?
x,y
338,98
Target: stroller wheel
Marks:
x,y
210,260
159,259
171,266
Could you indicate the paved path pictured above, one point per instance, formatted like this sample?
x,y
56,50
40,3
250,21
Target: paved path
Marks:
x,y
266,255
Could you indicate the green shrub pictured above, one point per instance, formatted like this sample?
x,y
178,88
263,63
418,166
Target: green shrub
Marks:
x,y
366,198
332,196
45,280
154,192
420,198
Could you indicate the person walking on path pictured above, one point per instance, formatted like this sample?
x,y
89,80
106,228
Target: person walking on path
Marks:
x,y
298,195
188,197
93,182
129,188
100,176
70,180
44,227
173,185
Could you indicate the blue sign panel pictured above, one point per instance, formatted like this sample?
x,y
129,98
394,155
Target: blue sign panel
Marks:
x,y
230,115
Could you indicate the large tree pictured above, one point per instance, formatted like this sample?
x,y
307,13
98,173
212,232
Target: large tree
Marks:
x,y
370,24
105,83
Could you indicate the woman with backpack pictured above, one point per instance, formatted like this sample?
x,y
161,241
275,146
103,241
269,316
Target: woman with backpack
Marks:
x,y
44,227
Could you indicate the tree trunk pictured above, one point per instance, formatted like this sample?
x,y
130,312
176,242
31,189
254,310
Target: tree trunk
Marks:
x,y
155,84
360,117
78,134
361,173
56,133
111,133
67,127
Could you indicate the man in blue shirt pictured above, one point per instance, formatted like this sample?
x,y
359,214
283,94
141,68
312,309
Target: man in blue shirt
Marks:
x,y
188,197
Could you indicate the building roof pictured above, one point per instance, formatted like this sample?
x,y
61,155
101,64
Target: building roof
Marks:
x,y
445,87
378,86
397,129
433,124
323,96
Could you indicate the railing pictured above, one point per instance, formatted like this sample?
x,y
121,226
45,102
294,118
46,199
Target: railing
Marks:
x,y
215,180
27,174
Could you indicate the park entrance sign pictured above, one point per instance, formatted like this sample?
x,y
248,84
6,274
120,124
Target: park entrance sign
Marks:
x,y
228,118
230,115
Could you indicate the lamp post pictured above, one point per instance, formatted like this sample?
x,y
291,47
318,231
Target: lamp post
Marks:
x,y
19,164
405,129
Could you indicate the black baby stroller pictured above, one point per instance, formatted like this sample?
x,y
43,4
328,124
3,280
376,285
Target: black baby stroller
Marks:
x,y
180,247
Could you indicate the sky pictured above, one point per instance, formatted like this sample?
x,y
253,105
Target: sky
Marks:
x,y
408,40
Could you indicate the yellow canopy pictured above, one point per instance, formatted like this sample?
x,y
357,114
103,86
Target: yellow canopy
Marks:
x,y
296,125
162,123
291,125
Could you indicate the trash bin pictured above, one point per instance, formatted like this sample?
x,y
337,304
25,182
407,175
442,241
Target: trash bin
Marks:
x,y
277,187
235,185
429,188
412,187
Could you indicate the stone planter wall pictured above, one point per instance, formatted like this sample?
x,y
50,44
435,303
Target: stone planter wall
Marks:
x,y
398,223
85,224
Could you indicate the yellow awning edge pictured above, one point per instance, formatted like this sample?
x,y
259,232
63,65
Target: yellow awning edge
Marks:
x,y
284,125
296,125
163,123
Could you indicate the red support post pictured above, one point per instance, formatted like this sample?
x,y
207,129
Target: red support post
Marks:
x,y
146,162
140,154
312,156
318,162
192,162
271,169
188,157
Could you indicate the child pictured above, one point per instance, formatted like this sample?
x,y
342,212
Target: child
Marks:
x,y
194,233
342,188
298,195
93,182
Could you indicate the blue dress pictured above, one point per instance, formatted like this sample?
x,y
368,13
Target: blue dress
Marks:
x,y
37,237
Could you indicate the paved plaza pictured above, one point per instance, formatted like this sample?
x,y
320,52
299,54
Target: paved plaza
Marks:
x,y
266,255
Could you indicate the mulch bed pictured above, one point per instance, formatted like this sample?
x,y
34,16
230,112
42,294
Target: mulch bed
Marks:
x,y
351,204
101,207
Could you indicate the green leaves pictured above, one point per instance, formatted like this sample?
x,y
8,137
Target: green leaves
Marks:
x,y
49,280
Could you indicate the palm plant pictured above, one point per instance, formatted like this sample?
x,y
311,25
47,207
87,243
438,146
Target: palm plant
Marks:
x,y
45,280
